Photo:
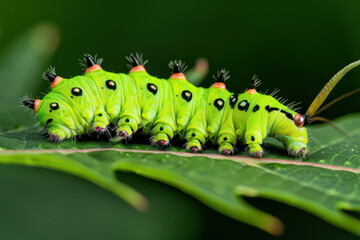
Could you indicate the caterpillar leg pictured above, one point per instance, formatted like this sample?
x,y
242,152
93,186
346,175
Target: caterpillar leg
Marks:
x,y
294,147
58,134
101,121
226,144
161,135
253,140
194,141
127,126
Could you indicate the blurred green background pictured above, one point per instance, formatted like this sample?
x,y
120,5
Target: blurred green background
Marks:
x,y
294,46
291,45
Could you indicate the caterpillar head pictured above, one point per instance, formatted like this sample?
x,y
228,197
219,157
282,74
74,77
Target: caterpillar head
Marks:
x,y
54,115
301,120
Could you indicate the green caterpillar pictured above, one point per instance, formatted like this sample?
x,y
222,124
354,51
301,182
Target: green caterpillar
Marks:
x,y
168,108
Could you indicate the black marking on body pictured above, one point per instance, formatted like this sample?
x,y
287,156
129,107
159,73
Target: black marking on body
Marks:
x,y
110,84
127,120
225,138
288,115
256,108
252,138
187,95
47,122
243,105
232,100
219,103
76,91
100,114
161,128
54,106
152,88
193,135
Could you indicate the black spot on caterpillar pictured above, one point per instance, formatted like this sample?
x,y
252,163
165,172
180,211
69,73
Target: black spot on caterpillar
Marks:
x,y
76,91
187,95
244,105
152,88
54,106
110,84
219,103
232,101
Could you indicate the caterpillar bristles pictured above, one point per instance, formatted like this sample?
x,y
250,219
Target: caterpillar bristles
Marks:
x,y
49,74
222,75
255,82
273,93
89,61
135,60
28,103
177,66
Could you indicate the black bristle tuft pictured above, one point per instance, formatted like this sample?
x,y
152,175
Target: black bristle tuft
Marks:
x,y
28,103
49,74
177,66
222,76
90,61
136,60
51,77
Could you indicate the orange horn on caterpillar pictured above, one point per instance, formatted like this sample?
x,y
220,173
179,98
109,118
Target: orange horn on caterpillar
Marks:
x,y
32,104
52,78
222,76
137,63
178,68
50,75
91,64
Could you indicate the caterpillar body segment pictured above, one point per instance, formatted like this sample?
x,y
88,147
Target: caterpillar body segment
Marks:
x,y
167,108
261,116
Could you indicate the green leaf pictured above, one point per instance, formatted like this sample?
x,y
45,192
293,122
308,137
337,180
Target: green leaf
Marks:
x,y
325,184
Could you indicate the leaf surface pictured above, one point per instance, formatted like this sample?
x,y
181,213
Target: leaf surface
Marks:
x,y
325,184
